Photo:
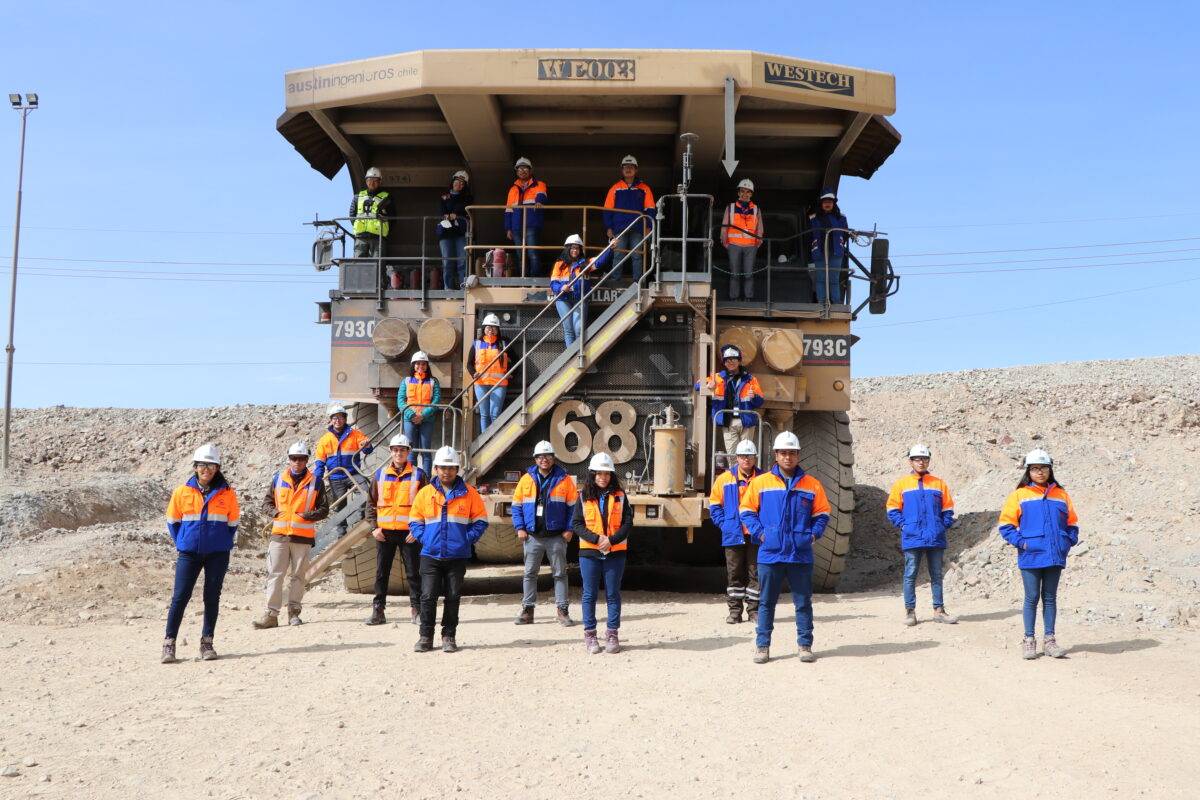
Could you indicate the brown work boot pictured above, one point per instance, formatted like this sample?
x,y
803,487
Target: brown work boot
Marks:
x,y
940,615
294,617
269,620
168,653
612,643
910,617
1052,648
590,642
423,645
564,617
806,654
734,618
449,645
207,653
752,618
762,655
525,617
377,617
1029,648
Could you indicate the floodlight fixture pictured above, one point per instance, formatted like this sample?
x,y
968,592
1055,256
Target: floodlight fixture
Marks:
x,y
15,99
31,99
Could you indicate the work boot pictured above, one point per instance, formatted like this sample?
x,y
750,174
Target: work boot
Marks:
x,y
423,645
762,655
612,644
168,654
1029,648
207,653
269,620
525,617
449,645
590,642
752,618
734,618
1052,648
806,654
940,615
377,617
414,616
294,617
564,617
910,617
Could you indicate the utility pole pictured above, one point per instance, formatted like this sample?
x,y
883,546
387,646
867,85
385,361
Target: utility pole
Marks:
x,y
31,102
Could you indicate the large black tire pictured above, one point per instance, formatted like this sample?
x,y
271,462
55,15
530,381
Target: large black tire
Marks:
x,y
500,545
365,417
826,453
358,571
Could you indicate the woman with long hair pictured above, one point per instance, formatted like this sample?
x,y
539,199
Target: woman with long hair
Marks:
x,y
419,396
602,521
570,284
452,230
830,243
489,362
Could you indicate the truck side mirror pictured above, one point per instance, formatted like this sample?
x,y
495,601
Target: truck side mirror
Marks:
x,y
884,282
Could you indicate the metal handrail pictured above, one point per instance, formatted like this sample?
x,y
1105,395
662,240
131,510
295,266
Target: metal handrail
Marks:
x,y
762,425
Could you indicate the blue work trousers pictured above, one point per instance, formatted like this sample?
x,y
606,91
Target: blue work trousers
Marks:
x,y
572,320
489,407
420,434
592,569
770,582
454,261
912,564
827,269
187,570
1041,582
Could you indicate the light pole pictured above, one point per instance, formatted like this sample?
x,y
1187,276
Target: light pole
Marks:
x,y
31,102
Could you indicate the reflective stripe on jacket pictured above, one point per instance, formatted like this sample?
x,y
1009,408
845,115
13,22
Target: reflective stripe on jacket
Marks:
x,y
624,197
559,496
921,507
819,225
336,451
786,516
749,397
1042,525
292,500
607,524
565,276
421,394
724,502
490,363
200,524
368,206
522,212
392,496
738,220
447,523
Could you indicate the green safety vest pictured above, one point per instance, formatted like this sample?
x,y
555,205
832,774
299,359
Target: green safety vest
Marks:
x,y
366,208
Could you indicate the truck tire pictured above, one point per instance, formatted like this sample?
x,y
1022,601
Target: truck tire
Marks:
x,y
500,545
365,417
826,453
358,571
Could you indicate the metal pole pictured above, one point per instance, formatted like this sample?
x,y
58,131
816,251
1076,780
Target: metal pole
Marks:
x,y
12,302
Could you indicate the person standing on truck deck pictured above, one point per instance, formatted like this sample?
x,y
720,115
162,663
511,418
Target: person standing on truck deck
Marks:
x,y
542,505
734,391
741,550
490,364
339,452
420,395
202,518
296,501
393,488
452,230
829,247
1040,521
626,200
921,507
369,209
570,283
785,511
447,518
741,234
523,217
602,520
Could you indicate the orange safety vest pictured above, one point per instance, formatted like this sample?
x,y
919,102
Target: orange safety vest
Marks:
x,y
396,492
418,392
591,518
489,367
292,501
739,223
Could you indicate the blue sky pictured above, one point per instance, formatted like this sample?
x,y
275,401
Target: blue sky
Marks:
x,y
1026,126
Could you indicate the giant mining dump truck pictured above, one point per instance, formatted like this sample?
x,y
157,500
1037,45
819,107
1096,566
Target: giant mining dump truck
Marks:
x,y
697,122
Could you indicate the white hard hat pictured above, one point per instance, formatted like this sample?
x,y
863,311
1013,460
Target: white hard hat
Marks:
x,y
446,457
543,448
746,183
787,441
602,462
1038,457
374,172
829,195
334,408
462,173
731,351
491,319
523,162
919,451
420,355
573,239
746,448
629,160
207,454
399,440
299,449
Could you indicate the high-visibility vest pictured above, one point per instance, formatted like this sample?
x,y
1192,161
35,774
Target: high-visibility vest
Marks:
x,y
418,392
739,223
490,368
292,501
369,207
396,492
591,518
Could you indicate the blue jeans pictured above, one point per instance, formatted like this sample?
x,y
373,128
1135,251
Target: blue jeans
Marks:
x,y
420,434
770,581
454,261
187,571
533,263
1042,581
629,241
489,407
912,564
835,279
611,567
572,320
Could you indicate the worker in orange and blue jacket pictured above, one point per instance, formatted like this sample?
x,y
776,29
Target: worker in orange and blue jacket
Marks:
x,y
785,511
920,505
339,451
734,390
523,217
418,398
1040,521
202,518
541,512
570,284
741,550
447,518
629,199
389,504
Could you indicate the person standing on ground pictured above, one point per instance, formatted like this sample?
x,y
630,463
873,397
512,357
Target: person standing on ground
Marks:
x,y
523,217
741,550
339,452
920,506
734,390
202,518
420,396
369,209
452,230
827,225
570,283
1040,521
542,505
490,358
629,199
602,520
447,518
393,488
296,501
741,234
785,510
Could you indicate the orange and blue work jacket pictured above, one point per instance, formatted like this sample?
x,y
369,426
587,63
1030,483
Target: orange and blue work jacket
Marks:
x,y
609,515
447,521
336,451
785,515
724,502
1041,524
522,212
543,503
565,281
632,199
742,225
922,508
422,394
292,499
392,494
203,523
741,391
490,364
